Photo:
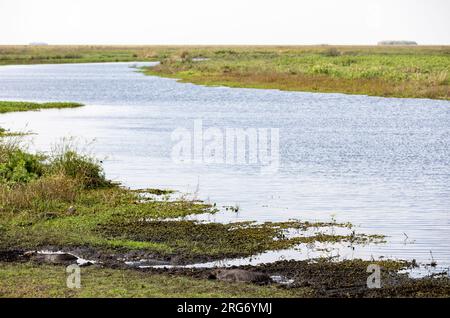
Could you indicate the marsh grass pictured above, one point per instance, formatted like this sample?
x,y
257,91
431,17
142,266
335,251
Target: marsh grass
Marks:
x,y
421,72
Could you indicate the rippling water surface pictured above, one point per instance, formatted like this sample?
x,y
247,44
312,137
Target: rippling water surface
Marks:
x,y
381,163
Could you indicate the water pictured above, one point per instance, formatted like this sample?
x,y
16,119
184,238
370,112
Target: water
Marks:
x,y
381,163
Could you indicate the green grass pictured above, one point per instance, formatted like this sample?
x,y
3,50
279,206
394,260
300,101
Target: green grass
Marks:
x,y
11,106
28,280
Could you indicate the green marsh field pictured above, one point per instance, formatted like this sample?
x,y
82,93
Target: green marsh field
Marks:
x,y
393,71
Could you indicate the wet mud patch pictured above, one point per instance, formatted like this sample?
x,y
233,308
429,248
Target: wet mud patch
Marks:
x,y
349,278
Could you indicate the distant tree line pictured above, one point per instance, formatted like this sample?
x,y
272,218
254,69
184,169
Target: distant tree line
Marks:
x,y
397,43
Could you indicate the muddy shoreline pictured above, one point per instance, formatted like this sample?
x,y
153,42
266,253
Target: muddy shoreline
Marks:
x,y
311,278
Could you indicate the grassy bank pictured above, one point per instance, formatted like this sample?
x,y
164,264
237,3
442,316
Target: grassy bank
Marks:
x,y
394,71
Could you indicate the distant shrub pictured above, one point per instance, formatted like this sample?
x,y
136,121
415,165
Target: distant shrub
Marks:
x,y
397,43
332,52
226,69
185,56
225,52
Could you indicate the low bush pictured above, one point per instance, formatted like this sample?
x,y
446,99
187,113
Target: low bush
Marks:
x,y
83,168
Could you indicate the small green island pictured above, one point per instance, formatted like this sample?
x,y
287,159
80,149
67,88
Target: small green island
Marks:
x,y
13,106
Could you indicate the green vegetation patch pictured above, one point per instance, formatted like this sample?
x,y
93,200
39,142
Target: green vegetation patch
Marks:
x,y
8,106
7,133
20,167
422,72
158,192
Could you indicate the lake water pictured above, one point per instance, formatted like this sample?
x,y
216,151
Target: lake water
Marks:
x,y
381,163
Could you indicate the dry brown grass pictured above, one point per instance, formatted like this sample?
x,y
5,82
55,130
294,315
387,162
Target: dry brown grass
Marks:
x,y
38,195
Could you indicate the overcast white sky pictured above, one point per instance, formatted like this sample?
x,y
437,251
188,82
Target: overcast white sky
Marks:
x,y
223,21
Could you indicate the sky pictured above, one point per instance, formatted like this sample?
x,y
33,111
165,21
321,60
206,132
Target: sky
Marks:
x,y
224,21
